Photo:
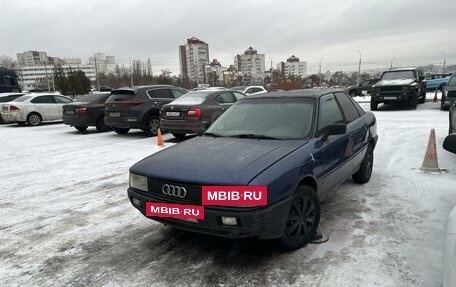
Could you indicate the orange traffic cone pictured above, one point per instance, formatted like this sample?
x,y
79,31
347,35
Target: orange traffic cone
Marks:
x,y
159,138
435,100
431,162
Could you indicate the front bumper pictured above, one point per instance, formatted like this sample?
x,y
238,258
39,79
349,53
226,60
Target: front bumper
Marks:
x,y
176,126
403,96
264,223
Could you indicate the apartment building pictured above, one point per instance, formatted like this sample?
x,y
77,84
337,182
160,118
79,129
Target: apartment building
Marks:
x,y
251,65
193,57
293,67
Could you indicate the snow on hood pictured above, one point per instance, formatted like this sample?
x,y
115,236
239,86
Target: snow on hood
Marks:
x,y
397,82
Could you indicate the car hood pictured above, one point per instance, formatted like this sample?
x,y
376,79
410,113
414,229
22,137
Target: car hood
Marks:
x,y
208,160
398,82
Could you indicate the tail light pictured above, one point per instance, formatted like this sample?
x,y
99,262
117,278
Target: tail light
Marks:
x,y
194,113
81,110
14,108
131,104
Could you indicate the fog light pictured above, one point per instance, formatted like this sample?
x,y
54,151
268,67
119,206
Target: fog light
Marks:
x,y
229,220
136,201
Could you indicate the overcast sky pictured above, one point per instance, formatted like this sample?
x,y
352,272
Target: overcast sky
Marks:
x,y
413,32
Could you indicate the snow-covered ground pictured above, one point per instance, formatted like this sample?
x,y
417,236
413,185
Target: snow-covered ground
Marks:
x,y
66,219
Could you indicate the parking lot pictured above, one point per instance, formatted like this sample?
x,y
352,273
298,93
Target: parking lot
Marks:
x,y
67,221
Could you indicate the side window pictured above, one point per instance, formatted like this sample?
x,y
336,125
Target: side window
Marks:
x,y
249,91
160,93
177,93
328,112
43,100
62,100
225,98
348,108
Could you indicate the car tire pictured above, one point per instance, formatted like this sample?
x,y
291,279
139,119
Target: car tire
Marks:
x,y
152,125
179,135
121,131
450,128
303,219
353,94
373,104
422,99
101,126
81,128
364,172
413,102
34,119
21,123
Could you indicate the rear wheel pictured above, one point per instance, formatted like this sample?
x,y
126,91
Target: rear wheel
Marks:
x,y
100,125
179,135
413,101
34,119
81,128
365,170
152,126
303,219
121,131
373,104
353,94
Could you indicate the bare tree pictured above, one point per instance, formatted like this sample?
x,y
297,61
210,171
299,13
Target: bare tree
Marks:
x,y
7,62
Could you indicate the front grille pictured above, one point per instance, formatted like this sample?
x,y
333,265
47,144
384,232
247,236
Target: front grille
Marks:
x,y
451,94
391,89
193,191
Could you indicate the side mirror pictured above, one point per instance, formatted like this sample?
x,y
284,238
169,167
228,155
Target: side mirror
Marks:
x,y
450,143
334,129
421,78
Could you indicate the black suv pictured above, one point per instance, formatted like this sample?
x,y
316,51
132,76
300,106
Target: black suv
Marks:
x,y
401,85
138,107
357,90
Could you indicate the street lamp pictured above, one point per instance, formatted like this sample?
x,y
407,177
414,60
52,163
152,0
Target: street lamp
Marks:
x,y
359,65
444,61
391,66
319,70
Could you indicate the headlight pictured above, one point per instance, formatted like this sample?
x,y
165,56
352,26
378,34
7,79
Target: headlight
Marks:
x,y
411,88
138,182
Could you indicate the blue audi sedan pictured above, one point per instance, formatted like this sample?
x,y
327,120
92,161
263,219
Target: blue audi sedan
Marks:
x,y
298,146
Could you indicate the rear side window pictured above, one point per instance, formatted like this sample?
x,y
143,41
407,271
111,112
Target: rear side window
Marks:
x,y
43,100
160,94
348,108
225,98
328,112
452,81
23,98
8,98
238,95
62,100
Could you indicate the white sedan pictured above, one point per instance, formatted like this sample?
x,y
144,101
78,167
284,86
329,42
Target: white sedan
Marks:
x,y
34,108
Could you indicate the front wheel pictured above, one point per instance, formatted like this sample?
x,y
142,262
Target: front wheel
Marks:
x,y
81,128
100,125
373,104
303,219
121,131
353,94
364,172
179,135
413,102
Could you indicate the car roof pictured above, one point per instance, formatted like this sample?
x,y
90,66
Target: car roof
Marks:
x,y
303,93
11,94
136,88
402,69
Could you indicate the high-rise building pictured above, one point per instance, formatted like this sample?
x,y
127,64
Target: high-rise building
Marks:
x,y
293,67
251,65
32,58
193,57
213,73
105,64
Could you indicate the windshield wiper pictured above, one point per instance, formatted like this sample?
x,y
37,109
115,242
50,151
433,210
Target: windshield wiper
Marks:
x,y
254,136
212,135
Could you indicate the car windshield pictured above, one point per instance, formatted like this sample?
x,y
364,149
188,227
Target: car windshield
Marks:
x,y
267,118
396,75
21,99
452,81
192,98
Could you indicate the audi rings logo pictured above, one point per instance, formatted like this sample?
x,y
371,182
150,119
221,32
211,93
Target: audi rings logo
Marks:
x,y
172,190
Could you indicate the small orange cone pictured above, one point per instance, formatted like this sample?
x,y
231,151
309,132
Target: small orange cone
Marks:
x,y
435,100
159,138
431,162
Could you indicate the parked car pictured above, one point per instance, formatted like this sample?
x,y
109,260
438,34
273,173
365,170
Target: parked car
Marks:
x,y
34,108
195,111
357,90
449,143
138,107
437,81
8,97
250,90
452,118
448,94
299,144
401,85
87,111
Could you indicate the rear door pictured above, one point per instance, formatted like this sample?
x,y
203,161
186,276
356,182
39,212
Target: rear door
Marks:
x,y
58,109
45,105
